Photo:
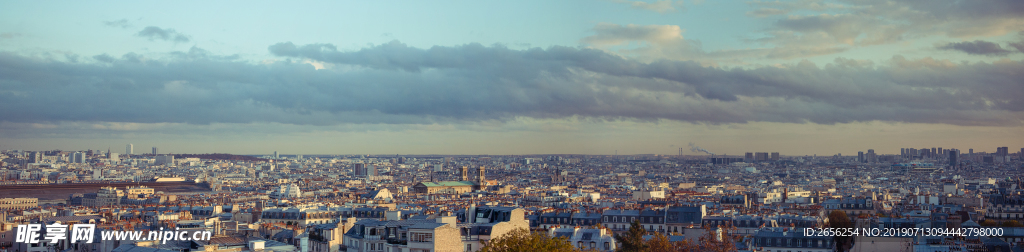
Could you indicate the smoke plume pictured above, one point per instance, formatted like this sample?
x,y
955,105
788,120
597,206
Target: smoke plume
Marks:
x,y
695,148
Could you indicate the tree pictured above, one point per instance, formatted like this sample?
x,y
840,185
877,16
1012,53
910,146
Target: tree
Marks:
x,y
522,240
715,240
660,243
633,240
838,219
1012,223
988,223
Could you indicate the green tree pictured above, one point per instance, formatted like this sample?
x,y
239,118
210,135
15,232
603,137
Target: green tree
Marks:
x,y
838,219
522,240
633,240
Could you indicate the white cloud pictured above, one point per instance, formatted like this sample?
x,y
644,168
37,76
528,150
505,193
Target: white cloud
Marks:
x,y
663,6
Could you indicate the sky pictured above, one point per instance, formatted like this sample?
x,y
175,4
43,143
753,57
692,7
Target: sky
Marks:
x,y
805,77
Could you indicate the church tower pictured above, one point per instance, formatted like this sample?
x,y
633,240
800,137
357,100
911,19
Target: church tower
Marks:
x,y
465,173
480,178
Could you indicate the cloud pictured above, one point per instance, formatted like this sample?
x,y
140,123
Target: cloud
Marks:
x,y
9,35
393,83
767,12
960,18
856,23
104,58
789,6
648,42
843,27
1018,45
664,6
122,23
154,33
978,47
612,34
666,42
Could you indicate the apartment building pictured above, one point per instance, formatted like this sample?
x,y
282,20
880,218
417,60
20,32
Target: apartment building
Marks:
x,y
18,203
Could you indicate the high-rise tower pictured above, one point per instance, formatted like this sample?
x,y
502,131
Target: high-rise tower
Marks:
x,y
953,158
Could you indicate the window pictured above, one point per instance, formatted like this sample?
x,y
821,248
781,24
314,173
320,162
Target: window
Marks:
x,y
607,246
469,247
422,237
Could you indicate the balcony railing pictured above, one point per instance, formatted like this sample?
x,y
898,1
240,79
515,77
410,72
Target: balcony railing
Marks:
x,y
397,241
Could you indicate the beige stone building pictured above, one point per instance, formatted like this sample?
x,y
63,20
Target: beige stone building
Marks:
x,y
455,187
445,187
18,203
106,196
441,234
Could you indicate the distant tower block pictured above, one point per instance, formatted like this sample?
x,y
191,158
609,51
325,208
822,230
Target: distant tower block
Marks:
x,y
130,150
154,150
465,173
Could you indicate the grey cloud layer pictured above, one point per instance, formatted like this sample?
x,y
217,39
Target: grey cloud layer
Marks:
x,y
978,47
394,83
846,23
154,33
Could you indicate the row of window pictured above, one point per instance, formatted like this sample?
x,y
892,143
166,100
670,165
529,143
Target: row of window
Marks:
x,y
649,227
421,237
593,245
19,202
793,242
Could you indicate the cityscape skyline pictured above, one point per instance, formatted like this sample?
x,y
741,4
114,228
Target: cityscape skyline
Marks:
x,y
533,125
693,150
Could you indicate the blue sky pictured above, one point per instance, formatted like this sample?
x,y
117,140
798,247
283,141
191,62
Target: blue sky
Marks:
x,y
513,77
232,28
